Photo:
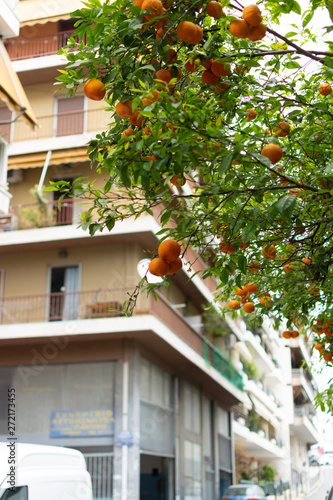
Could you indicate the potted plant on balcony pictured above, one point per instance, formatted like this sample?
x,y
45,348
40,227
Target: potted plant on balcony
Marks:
x,y
254,422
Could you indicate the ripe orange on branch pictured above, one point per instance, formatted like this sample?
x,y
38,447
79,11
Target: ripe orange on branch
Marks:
x,y
158,267
175,266
254,266
282,129
251,114
124,109
257,32
252,15
209,77
325,89
189,32
239,28
251,287
220,69
273,152
214,9
94,89
234,304
169,250
249,307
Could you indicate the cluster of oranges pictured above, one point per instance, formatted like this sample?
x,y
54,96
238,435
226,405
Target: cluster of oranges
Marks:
x,y
290,334
324,328
250,26
168,261
244,298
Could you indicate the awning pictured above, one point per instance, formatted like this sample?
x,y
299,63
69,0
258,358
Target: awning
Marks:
x,y
32,12
34,160
11,90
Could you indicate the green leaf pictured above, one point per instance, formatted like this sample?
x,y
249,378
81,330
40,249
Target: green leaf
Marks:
x,y
242,263
285,205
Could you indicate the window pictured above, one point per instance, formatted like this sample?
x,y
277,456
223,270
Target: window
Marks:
x,y
192,468
64,298
156,409
70,116
192,417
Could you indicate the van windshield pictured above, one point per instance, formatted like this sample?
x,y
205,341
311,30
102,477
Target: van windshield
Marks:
x,y
16,493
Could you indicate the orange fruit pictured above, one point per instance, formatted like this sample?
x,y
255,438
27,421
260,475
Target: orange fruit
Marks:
x,y
137,3
94,89
220,69
249,307
207,64
266,300
252,15
270,253
325,89
199,35
307,261
273,152
251,114
251,287
288,267
254,266
169,250
163,75
257,32
294,334
239,28
158,267
286,334
227,248
191,66
241,292
328,357
187,31
177,180
172,56
175,266
155,6
313,290
318,346
282,129
234,304
245,299
135,119
214,9
209,77
124,109
128,132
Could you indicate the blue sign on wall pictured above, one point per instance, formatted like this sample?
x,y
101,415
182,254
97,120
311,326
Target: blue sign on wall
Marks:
x,y
82,423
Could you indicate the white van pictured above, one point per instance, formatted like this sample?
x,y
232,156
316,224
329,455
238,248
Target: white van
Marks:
x,y
37,472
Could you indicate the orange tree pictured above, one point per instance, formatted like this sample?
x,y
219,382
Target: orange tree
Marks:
x,y
222,128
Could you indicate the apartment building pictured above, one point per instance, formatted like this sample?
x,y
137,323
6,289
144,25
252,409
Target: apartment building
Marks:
x,y
12,96
160,406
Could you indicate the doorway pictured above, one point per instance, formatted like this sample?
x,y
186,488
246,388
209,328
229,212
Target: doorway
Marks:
x,y
64,297
156,478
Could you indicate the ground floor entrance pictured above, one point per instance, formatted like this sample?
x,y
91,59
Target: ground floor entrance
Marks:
x,y
156,478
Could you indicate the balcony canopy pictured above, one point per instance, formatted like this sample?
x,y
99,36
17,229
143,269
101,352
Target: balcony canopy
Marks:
x,y
61,156
11,90
33,12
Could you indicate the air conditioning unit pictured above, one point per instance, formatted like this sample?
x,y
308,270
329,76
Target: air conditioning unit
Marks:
x,y
15,175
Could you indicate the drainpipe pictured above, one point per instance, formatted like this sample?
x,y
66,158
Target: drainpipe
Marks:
x,y
42,178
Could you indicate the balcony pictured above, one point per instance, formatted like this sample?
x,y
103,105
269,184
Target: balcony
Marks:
x,y
59,125
23,48
303,425
301,378
255,442
107,303
38,215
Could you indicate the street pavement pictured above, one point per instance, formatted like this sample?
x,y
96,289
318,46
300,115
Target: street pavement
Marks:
x,y
324,486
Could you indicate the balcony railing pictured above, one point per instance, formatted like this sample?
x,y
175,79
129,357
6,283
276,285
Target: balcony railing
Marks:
x,y
106,303
38,215
24,48
62,124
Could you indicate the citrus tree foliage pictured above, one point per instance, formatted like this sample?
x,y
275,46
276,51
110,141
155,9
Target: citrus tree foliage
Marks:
x,y
250,219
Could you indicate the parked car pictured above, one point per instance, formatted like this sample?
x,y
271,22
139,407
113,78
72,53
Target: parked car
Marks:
x,y
244,492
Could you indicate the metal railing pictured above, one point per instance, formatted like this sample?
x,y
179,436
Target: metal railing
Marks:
x,y
59,125
24,48
38,215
